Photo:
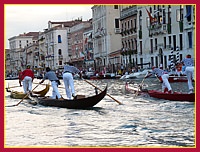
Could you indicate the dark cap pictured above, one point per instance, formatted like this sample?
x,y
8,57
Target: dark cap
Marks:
x,y
69,63
48,69
188,56
28,66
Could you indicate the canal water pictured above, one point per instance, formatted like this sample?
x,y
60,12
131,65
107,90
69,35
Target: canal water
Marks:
x,y
140,122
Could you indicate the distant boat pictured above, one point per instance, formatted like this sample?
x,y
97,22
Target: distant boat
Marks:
x,y
103,76
11,78
21,95
135,75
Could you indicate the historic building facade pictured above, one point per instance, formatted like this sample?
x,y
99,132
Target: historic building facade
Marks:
x,y
132,35
106,37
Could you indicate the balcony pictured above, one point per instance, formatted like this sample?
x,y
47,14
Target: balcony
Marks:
x,y
127,12
128,52
117,30
155,26
98,34
60,57
157,30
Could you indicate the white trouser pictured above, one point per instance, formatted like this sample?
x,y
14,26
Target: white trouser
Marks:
x,y
165,83
55,91
27,84
69,84
189,71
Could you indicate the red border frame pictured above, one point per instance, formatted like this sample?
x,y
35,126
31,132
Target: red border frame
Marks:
x,y
2,2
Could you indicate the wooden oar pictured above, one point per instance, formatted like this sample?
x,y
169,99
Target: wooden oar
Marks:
x,y
101,90
26,95
12,86
141,84
45,84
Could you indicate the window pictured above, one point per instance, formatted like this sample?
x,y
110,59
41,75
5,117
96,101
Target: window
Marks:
x,y
60,52
174,42
156,61
165,42
156,45
151,45
131,21
115,6
170,41
190,39
128,25
140,47
165,61
152,63
188,12
169,14
181,41
135,23
59,39
179,14
164,17
116,23
60,62
140,13
132,44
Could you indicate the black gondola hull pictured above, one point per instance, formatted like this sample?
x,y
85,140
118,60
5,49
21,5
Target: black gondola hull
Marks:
x,y
83,103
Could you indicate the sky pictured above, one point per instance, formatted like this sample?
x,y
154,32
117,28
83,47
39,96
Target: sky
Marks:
x,y
21,19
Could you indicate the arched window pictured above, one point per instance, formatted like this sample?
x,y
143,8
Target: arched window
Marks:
x,y
59,39
59,52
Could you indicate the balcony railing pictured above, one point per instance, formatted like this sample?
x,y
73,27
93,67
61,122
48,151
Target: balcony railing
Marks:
x,y
129,11
60,57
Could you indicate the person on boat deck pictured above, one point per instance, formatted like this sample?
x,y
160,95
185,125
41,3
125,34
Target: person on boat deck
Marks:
x,y
189,71
27,77
163,76
51,75
69,71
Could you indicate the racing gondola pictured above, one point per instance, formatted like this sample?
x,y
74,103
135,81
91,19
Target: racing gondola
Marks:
x,y
21,95
175,96
82,103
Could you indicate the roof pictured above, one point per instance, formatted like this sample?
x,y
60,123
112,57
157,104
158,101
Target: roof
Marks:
x,y
67,23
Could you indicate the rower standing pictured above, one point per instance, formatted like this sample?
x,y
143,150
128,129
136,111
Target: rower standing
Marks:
x,y
27,79
69,71
54,83
163,77
189,71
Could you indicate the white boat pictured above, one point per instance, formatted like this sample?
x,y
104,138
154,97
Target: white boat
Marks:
x,y
135,75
